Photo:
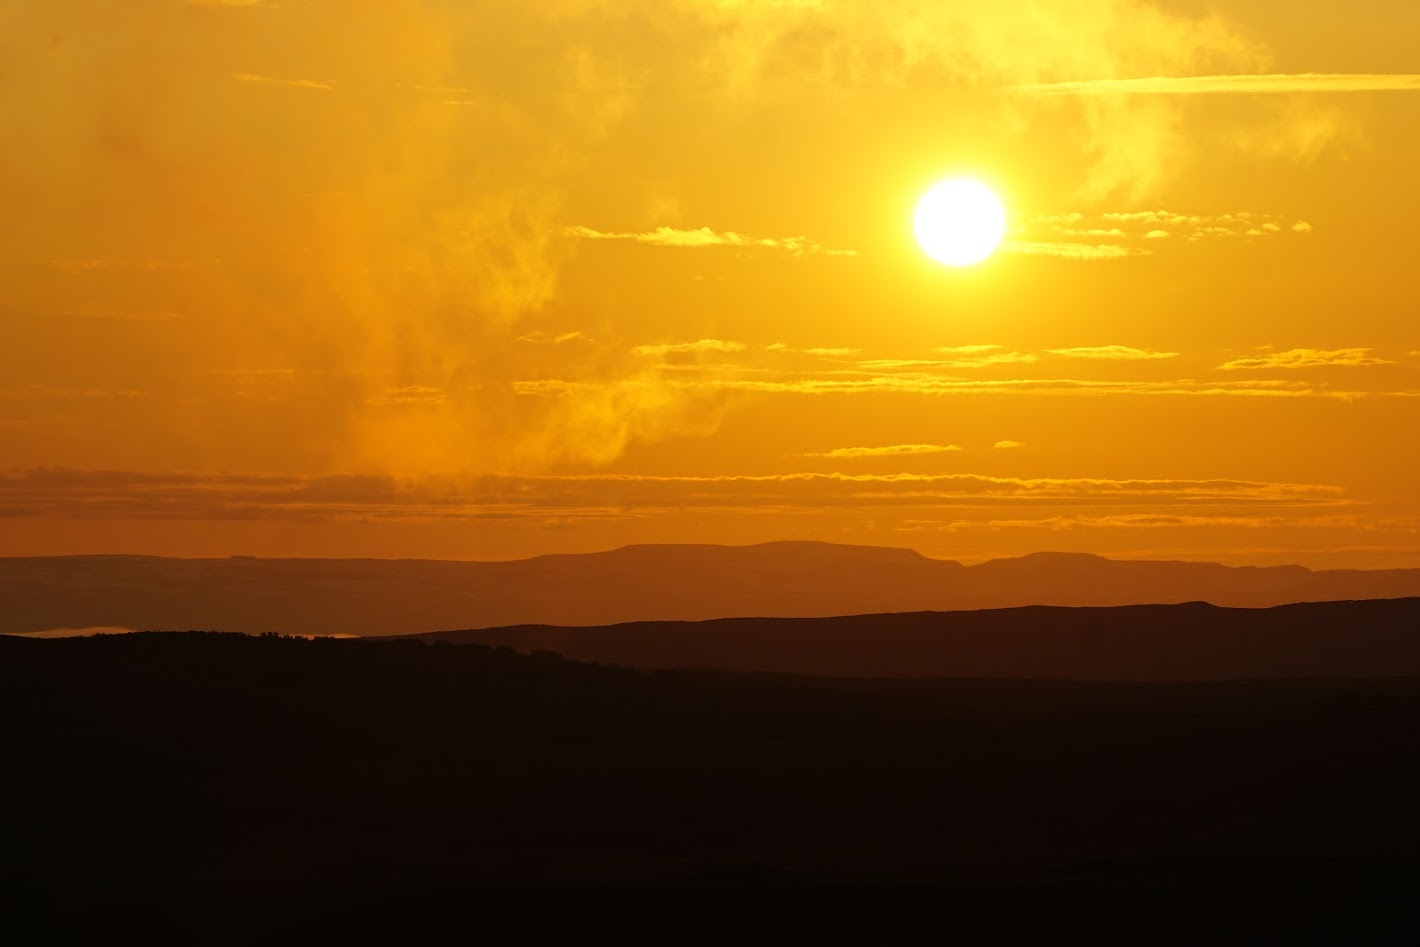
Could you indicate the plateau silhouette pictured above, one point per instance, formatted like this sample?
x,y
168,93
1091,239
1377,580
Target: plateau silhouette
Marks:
x,y
634,583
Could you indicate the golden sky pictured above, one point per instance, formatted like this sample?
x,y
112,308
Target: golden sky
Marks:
x,y
464,279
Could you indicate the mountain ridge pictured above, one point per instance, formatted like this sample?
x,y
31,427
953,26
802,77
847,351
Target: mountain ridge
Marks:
x,y
639,582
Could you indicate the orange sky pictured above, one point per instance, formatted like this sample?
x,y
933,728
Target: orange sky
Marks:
x,y
485,280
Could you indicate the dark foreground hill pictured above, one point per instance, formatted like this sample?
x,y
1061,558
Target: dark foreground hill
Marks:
x,y
635,583
199,788
1141,642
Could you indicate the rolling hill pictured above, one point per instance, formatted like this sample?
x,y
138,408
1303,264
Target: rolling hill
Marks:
x,y
1190,642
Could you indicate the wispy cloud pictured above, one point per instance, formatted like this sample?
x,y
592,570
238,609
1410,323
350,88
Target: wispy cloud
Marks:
x,y
1117,235
1249,84
268,80
682,348
1307,358
541,337
964,361
1007,445
1113,353
893,450
816,351
965,349
1073,251
705,237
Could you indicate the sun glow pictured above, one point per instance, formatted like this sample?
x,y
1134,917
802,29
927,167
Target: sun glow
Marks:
x,y
959,222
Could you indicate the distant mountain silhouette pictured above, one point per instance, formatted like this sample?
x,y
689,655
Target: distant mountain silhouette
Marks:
x,y
1188,642
634,583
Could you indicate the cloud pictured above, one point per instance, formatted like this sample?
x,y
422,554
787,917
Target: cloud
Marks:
x,y
1302,226
1007,445
1078,236
1307,358
1249,84
40,392
473,498
682,348
965,361
1072,251
1113,353
817,351
296,83
1174,520
725,379
78,632
894,450
705,237
427,245
541,337
965,349
410,395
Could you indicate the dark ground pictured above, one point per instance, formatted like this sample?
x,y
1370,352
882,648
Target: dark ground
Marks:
x,y
1193,641
203,788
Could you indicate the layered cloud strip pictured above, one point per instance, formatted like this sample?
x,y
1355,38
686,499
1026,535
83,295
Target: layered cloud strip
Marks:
x,y
709,367
1118,235
1239,84
131,494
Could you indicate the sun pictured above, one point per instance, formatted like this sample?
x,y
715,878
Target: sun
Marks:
x,y
959,222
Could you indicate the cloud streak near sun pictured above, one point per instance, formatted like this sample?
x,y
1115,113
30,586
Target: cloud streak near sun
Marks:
x,y
1118,235
705,237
